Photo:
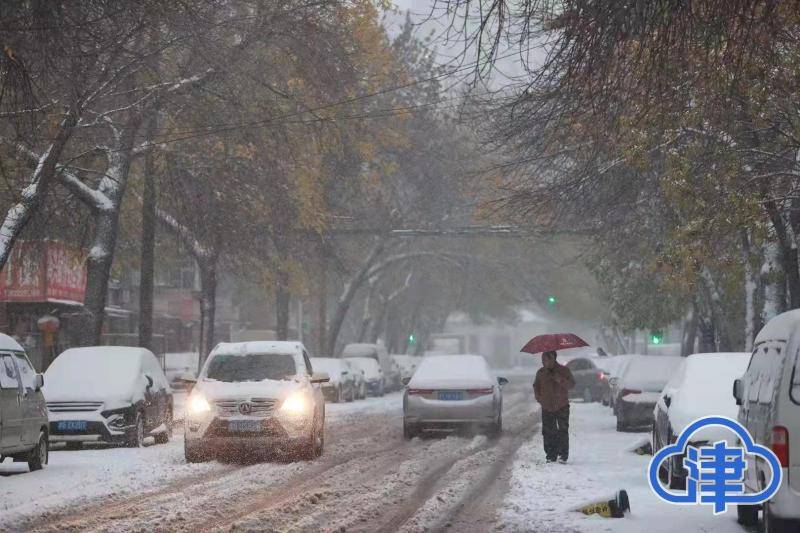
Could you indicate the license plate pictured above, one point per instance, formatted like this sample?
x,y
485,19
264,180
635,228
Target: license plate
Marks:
x,y
244,425
450,395
71,425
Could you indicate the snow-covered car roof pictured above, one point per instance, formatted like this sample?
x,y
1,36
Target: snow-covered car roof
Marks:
x,y
368,365
330,365
649,373
702,387
97,372
8,343
361,349
448,371
258,347
779,328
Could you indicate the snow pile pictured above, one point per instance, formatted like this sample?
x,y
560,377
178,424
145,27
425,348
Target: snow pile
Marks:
x,y
445,371
703,387
543,496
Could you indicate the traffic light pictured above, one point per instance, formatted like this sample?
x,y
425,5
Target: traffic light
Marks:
x,y
656,337
551,300
412,339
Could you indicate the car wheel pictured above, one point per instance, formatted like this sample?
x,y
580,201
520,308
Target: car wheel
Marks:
x,y
747,515
37,457
193,453
674,481
163,438
773,524
497,427
137,439
587,395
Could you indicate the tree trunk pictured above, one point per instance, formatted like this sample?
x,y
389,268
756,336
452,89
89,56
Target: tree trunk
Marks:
x,y
348,293
147,267
787,255
366,318
378,323
772,280
39,183
98,273
689,337
208,306
282,301
750,289
322,309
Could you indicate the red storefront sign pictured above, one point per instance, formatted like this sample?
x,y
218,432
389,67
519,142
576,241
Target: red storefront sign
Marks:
x,y
40,270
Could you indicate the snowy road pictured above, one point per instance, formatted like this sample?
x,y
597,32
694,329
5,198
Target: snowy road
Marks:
x,y
369,479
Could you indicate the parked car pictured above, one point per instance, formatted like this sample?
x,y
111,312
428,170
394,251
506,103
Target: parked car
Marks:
x,y
408,364
23,415
394,380
769,399
590,380
256,397
701,386
374,383
181,368
640,387
614,366
113,394
452,392
341,387
373,351
359,382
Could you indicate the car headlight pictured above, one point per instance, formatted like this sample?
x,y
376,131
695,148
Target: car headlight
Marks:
x,y
198,405
295,404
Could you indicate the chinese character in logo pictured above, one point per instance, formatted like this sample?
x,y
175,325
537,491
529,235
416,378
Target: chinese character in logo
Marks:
x,y
716,472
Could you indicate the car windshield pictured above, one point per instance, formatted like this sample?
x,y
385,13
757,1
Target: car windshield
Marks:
x,y
251,367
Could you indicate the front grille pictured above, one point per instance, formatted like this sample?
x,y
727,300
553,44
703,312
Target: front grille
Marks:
x,y
73,407
258,406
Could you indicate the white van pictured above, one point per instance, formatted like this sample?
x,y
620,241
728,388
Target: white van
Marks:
x,y
769,398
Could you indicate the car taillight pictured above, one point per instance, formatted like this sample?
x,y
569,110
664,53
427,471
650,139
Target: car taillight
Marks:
x,y
625,392
419,392
480,392
601,375
780,444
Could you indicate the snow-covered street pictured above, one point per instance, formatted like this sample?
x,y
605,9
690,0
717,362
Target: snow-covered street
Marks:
x,y
369,479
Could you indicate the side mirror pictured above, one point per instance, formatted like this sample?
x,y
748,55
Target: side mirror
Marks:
x,y
149,381
405,381
502,381
38,382
320,377
738,388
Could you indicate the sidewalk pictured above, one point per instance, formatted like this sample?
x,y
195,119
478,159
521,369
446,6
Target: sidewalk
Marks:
x,y
542,496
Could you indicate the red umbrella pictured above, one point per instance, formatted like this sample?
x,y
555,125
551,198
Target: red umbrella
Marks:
x,y
553,341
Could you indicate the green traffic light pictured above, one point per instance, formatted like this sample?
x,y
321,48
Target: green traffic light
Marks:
x,y
551,300
412,339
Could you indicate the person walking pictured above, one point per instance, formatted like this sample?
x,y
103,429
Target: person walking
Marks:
x,y
551,388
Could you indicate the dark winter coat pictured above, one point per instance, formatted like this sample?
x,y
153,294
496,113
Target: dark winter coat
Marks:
x,y
551,387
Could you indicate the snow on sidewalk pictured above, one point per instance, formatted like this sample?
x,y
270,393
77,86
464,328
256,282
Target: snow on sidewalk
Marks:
x,y
542,496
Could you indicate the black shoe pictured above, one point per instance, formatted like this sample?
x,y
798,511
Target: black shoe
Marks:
x,y
550,459
562,459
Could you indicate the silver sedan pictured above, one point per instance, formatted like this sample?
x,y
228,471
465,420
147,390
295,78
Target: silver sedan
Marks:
x,y
452,392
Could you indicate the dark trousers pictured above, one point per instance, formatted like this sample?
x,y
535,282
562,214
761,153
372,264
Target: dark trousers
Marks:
x,y
555,433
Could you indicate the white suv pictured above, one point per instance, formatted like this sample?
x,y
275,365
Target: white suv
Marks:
x,y
256,397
